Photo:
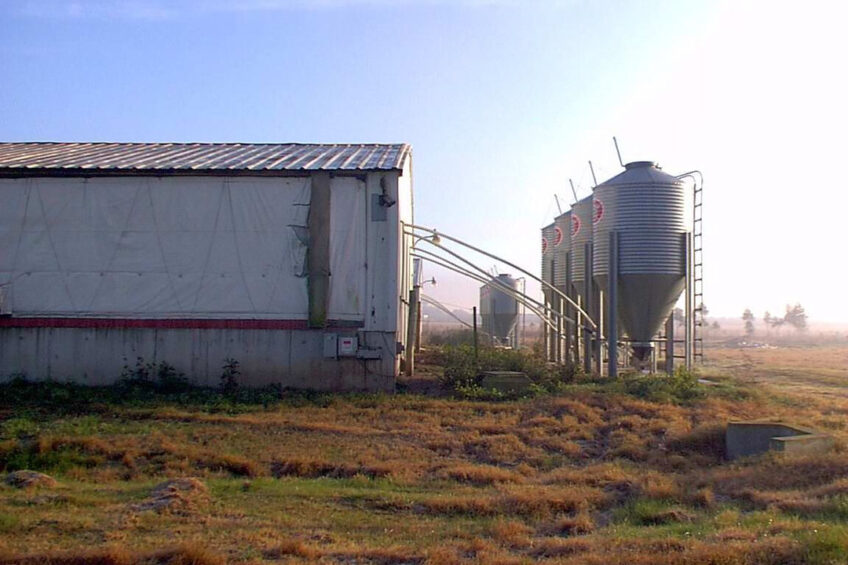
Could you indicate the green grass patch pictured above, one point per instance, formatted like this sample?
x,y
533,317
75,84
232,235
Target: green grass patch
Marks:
x,y
9,523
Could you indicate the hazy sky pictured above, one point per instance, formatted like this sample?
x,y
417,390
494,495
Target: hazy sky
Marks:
x,y
502,101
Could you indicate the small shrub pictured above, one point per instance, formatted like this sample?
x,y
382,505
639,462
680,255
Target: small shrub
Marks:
x,y
138,376
19,428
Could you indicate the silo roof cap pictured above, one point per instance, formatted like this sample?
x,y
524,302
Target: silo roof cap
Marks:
x,y
639,164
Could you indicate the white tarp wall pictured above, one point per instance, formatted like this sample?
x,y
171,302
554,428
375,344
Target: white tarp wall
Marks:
x,y
347,249
172,247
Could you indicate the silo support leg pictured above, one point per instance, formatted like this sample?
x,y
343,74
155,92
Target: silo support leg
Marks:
x,y
669,344
589,307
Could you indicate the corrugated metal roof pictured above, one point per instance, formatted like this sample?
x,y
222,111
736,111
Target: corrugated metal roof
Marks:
x,y
198,157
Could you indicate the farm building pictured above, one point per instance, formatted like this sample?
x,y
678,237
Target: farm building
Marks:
x,y
289,258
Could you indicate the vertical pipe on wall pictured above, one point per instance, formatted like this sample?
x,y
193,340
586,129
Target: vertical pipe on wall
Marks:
x,y
318,252
412,329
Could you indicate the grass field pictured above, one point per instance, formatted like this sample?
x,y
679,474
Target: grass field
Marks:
x,y
597,473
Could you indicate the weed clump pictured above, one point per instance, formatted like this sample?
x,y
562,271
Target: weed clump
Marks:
x,y
229,377
680,387
161,377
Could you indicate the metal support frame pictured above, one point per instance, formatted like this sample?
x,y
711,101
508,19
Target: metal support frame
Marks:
x,y
612,306
689,307
557,310
559,332
697,264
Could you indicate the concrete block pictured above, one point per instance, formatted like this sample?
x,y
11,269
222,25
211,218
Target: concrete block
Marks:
x,y
744,439
506,381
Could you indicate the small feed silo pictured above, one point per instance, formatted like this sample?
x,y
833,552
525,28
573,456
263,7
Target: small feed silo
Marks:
x,y
500,310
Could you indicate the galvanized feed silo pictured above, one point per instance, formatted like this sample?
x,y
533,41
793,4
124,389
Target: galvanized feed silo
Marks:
x,y
581,234
647,207
562,247
548,259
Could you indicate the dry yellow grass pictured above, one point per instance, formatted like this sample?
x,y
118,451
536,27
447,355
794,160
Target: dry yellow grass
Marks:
x,y
583,477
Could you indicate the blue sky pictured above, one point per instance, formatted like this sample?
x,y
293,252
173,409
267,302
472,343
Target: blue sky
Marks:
x,y
502,101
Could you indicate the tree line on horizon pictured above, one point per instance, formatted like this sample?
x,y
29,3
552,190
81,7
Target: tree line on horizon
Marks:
x,y
795,317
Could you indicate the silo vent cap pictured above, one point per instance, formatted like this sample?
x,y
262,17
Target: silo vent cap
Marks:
x,y
640,164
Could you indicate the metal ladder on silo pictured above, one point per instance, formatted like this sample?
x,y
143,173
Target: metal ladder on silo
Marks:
x,y
698,271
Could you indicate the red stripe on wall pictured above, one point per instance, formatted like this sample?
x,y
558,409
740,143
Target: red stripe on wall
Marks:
x,y
186,324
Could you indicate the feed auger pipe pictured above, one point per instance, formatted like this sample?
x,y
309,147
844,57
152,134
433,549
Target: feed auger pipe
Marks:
x,y
546,284
492,281
452,267
436,304
436,260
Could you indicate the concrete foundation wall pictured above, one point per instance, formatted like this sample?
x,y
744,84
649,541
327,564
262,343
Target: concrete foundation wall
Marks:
x,y
290,358
744,439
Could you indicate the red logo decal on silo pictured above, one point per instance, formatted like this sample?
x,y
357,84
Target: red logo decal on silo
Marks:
x,y
597,211
575,225
544,245
557,236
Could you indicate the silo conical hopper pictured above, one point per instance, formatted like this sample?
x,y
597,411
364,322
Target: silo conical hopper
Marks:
x,y
647,207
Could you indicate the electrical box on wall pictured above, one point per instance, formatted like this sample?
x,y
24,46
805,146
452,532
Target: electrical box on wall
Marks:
x,y
5,306
348,346
331,347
